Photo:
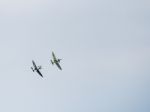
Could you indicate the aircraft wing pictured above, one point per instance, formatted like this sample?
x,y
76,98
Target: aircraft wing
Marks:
x,y
34,64
39,73
54,57
58,66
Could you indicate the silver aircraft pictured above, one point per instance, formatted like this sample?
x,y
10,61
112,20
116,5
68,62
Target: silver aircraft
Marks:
x,y
56,61
36,68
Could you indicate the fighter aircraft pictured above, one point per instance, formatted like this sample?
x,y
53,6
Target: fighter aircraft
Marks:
x,y
36,68
56,61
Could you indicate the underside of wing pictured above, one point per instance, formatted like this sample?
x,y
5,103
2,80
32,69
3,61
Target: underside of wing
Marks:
x,y
58,66
39,73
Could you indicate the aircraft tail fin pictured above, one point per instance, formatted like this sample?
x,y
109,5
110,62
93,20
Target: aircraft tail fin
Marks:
x,y
59,60
39,67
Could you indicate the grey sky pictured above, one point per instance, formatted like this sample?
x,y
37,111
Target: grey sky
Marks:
x,y
105,47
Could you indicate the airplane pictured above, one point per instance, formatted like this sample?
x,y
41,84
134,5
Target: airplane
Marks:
x,y
56,61
36,68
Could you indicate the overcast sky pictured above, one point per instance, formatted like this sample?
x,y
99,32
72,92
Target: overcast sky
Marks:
x,y
105,47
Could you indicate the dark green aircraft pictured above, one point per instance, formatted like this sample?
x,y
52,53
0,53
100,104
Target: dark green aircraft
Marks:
x,y
56,61
36,68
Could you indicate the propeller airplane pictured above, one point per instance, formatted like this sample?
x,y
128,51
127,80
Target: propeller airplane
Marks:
x,y
56,61
36,68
